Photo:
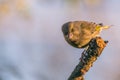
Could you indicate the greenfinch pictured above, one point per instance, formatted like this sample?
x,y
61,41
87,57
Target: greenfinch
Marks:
x,y
79,33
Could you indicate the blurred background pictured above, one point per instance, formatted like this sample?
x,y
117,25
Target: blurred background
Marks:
x,y
32,46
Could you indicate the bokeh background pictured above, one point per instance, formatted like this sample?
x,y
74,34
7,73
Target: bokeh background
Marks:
x,y
32,46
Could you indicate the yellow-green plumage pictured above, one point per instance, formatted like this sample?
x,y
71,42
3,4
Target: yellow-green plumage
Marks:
x,y
79,33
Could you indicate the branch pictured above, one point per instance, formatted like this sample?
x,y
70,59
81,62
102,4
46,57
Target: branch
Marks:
x,y
89,56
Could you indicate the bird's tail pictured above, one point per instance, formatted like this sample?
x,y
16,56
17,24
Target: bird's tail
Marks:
x,y
106,27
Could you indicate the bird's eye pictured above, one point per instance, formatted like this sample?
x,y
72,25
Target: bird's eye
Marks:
x,y
72,30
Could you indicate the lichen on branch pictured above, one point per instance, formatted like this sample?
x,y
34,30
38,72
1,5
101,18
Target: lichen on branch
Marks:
x,y
89,56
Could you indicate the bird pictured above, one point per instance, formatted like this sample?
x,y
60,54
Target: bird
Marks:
x,y
79,33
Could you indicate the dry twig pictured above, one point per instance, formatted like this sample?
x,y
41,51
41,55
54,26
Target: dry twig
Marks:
x,y
89,56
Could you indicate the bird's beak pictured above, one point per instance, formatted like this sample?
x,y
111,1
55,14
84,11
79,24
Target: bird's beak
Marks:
x,y
70,36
